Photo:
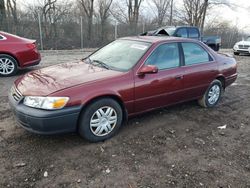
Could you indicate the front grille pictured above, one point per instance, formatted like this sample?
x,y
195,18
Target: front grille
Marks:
x,y
244,46
17,95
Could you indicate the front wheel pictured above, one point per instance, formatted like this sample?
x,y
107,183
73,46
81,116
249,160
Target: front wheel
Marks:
x,y
100,120
8,65
236,53
212,95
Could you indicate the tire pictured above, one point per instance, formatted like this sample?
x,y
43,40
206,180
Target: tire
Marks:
x,y
8,65
217,48
97,112
214,47
215,88
236,53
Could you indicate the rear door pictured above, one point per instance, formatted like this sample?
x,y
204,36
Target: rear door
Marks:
x,y
200,69
162,88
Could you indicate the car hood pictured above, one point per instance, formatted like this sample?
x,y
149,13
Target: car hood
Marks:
x,y
54,78
243,43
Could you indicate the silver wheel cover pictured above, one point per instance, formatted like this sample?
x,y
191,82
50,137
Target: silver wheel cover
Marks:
x,y
103,121
213,94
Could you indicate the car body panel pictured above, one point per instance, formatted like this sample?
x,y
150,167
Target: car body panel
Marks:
x,y
61,76
83,82
198,77
156,90
19,48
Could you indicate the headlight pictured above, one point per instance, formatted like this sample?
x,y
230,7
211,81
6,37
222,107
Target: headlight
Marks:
x,y
47,103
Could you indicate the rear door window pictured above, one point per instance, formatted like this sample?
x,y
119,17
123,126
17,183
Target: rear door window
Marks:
x,y
194,54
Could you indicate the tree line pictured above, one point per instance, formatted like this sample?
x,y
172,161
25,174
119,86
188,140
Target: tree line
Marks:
x,y
64,23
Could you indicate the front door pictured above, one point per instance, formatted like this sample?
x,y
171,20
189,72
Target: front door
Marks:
x,y
162,88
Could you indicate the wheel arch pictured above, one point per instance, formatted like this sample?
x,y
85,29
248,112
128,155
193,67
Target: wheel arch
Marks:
x,y
111,96
12,55
222,80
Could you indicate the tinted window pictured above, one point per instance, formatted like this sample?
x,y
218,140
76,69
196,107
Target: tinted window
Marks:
x,y
165,56
182,33
1,37
194,54
193,33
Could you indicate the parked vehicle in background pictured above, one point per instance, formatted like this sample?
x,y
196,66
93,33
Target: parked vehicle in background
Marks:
x,y
16,53
242,47
213,42
124,78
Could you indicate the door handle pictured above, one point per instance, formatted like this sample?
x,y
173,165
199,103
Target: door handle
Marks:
x,y
180,77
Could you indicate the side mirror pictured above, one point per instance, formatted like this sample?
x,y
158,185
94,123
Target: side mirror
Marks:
x,y
148,69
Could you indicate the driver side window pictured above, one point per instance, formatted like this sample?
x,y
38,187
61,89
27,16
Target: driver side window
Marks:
x,y
165,56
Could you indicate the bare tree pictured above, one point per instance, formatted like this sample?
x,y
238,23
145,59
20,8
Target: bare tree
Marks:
x,y
196,11
88,7
171,12
2,15
52,13
162,7
12,14
103,11
133,13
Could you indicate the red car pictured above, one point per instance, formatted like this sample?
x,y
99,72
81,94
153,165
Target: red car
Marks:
x,y
16,53
127,77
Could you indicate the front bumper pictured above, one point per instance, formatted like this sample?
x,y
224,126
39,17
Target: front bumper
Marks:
x,y
243,51
44,121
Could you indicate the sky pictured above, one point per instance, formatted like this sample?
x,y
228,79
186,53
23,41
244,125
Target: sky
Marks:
x,y
238,15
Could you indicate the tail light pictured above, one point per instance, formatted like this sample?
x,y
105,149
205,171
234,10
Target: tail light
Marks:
x,y
31,45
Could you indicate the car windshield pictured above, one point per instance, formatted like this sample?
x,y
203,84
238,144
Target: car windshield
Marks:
x,y
248,38
120,55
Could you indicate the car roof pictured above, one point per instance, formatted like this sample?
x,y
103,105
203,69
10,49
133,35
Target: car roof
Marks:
x,y
158,39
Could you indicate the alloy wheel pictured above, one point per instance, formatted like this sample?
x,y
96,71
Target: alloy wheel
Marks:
x,y
7,66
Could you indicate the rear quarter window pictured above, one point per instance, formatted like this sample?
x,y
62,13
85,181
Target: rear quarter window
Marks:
x,y
2,37
195,54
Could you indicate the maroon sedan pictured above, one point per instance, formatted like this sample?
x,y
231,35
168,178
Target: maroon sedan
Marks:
x,y
16,53
127,77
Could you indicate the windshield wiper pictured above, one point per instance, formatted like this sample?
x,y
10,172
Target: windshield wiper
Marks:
x,y
100,63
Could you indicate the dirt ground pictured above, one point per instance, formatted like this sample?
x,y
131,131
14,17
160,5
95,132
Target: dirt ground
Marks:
x,y
178,146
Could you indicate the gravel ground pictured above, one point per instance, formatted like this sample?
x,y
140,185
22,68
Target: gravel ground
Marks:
x,y
178,146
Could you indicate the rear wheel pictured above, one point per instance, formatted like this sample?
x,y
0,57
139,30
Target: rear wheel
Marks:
x,y
100,120
8,65
212,95
217,47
